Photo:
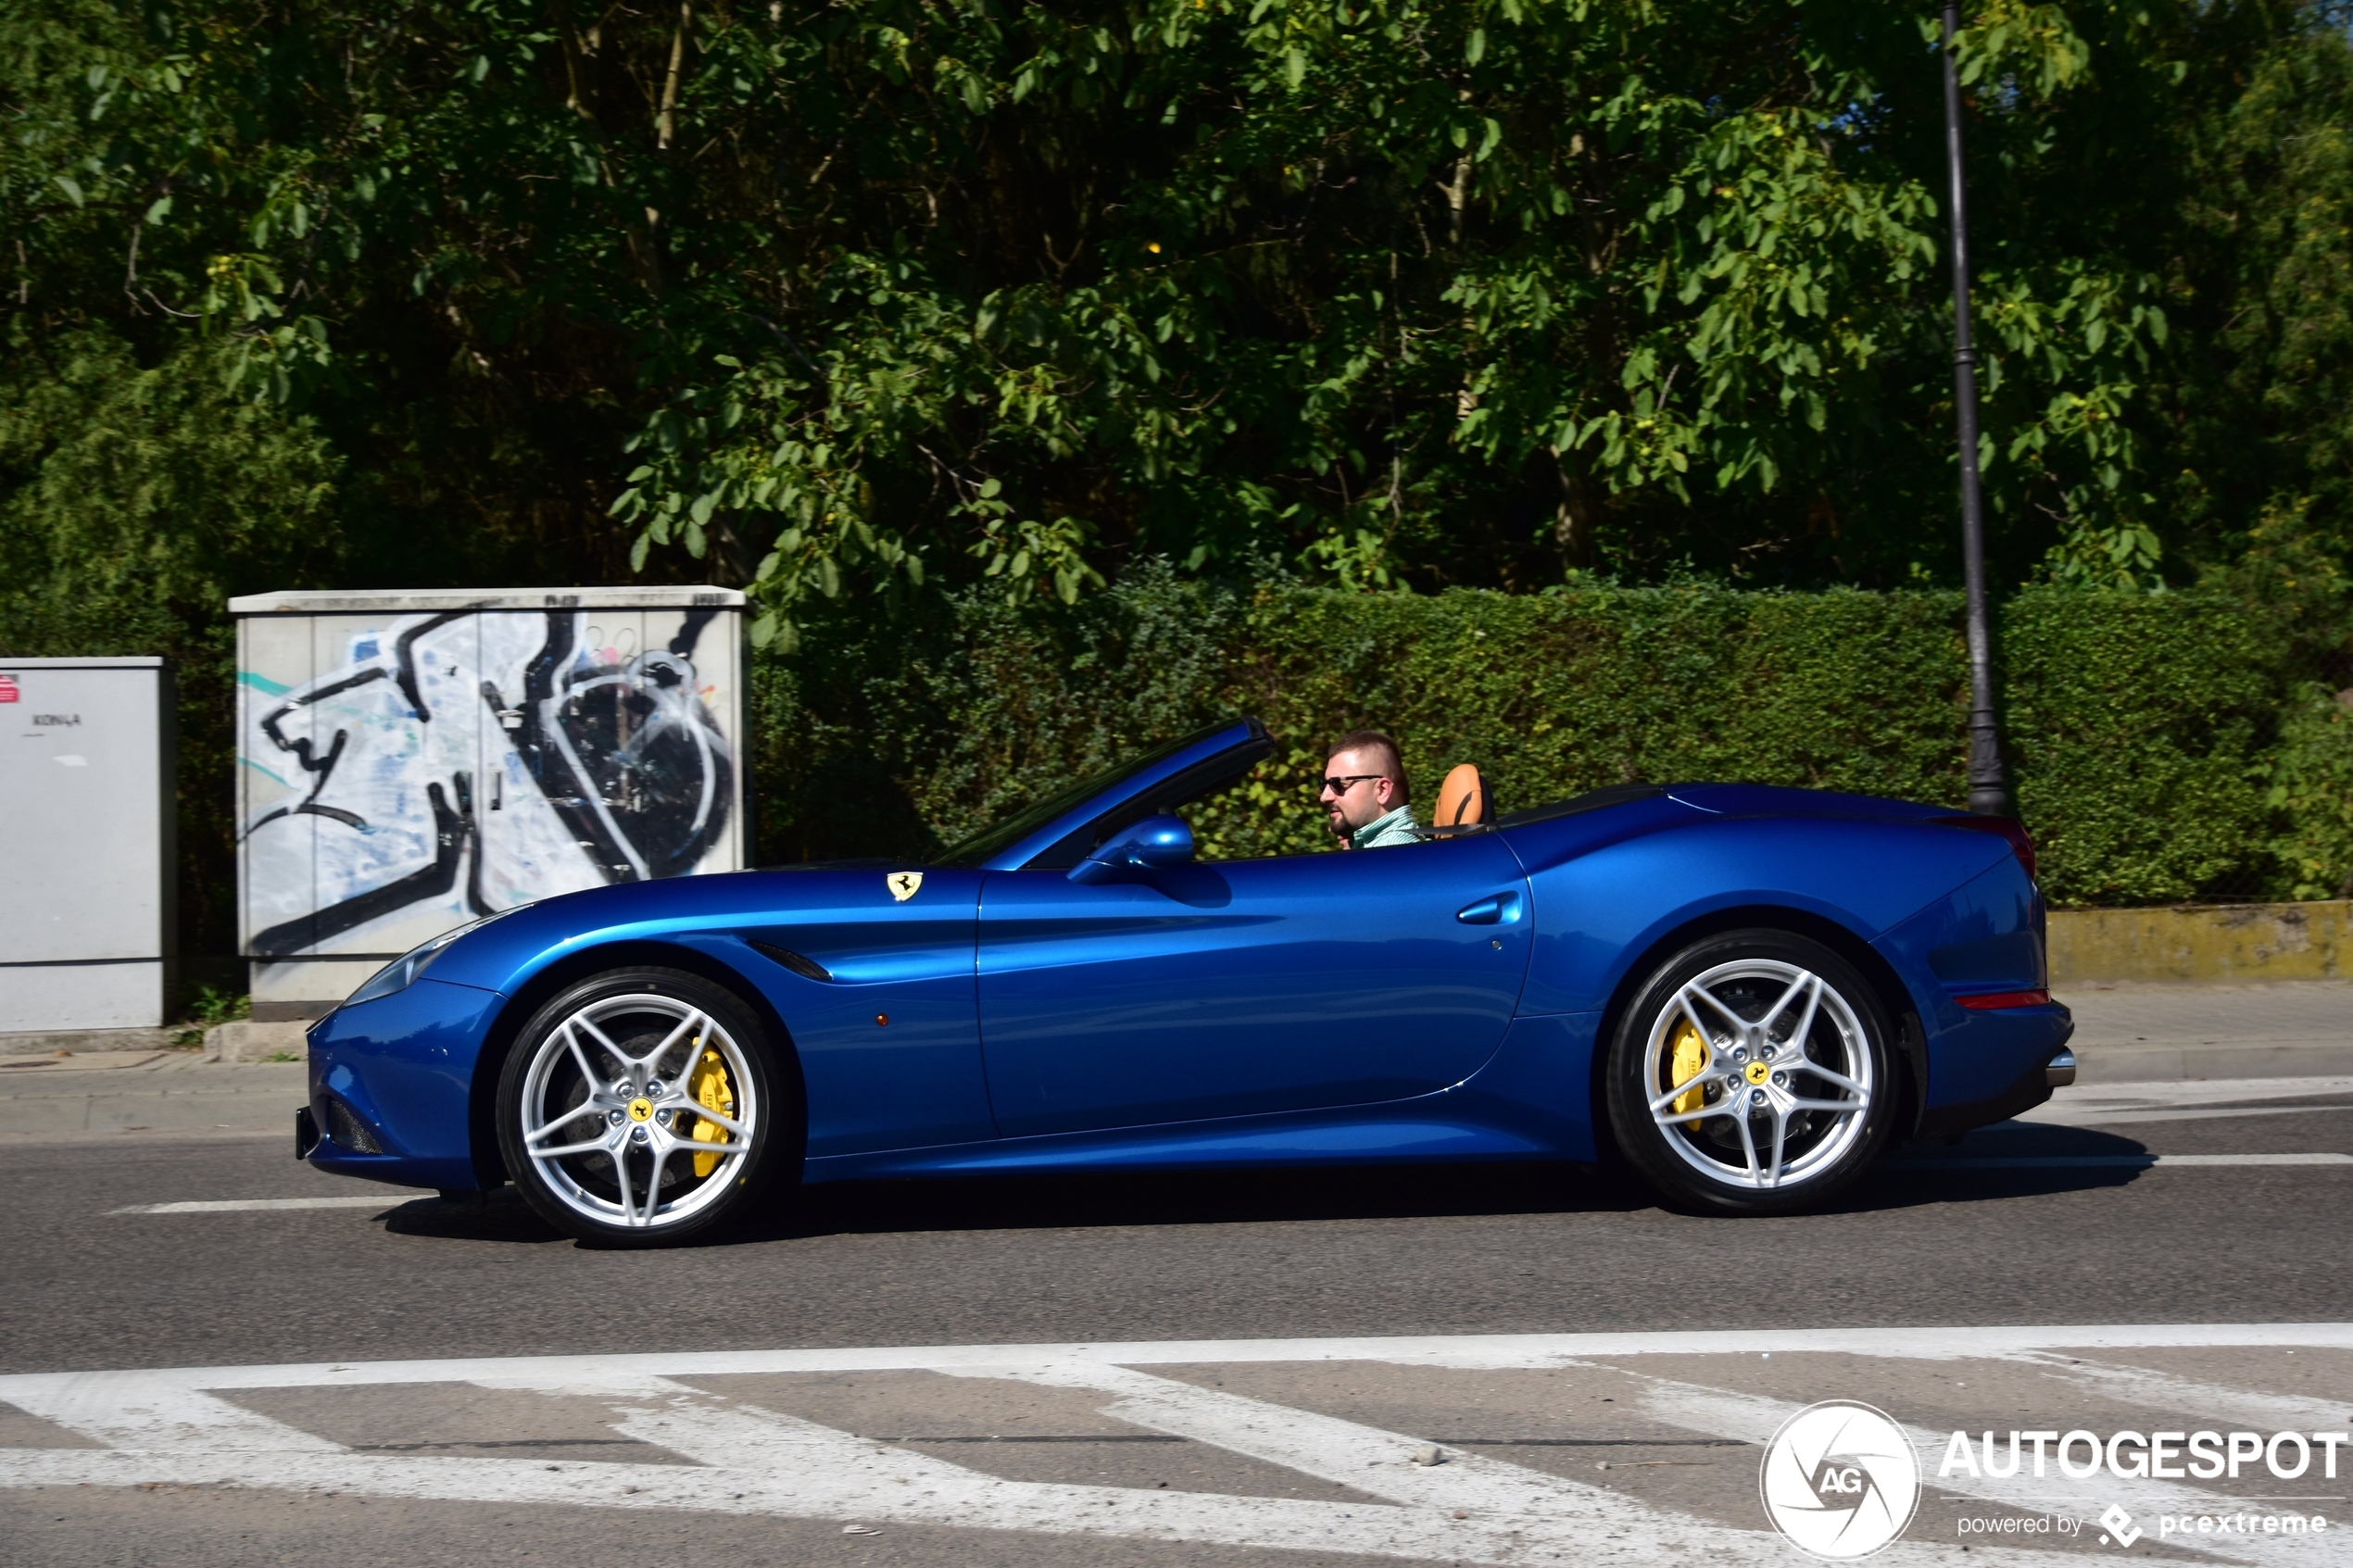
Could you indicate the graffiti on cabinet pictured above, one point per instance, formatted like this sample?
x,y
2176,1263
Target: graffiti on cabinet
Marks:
x,y
515,755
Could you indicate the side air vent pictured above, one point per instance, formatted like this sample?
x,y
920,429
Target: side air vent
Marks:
x,y
348,1130
807,969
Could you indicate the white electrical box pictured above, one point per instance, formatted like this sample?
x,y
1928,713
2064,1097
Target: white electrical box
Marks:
x,y
408,762
86,874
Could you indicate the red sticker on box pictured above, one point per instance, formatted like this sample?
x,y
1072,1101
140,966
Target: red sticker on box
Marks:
x,y
8,688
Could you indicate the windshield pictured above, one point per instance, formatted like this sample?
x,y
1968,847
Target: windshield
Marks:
x,y
995,840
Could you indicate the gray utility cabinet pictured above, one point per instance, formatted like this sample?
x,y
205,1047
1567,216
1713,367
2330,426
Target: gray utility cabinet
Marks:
x,y
408,762
86,878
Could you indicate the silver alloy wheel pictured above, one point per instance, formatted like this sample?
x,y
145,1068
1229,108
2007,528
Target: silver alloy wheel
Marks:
x,y
1787,1081
606,1128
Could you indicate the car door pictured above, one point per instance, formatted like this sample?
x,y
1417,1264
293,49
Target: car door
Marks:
x,y
1242,988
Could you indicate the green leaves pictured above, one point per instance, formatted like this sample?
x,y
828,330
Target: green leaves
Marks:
x,y
2145,729
1379,292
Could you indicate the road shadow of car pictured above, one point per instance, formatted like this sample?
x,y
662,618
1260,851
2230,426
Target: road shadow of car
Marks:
x,y
1201,1197
1081,1201
499,1215
1978,1166
1915,1175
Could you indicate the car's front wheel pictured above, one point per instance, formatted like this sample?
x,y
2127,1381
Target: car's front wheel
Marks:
x,y
642,1107
1752,1075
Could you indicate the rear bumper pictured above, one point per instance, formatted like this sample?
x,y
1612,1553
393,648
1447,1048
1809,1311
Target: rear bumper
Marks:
x,y
2045,1037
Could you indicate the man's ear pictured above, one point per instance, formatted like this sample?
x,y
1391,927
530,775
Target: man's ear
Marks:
x,y
1385,791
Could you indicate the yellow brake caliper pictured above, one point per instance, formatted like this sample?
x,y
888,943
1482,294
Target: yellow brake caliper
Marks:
x,y
710,1088
1689,1059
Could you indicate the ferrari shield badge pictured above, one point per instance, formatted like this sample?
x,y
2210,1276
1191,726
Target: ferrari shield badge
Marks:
x,y
902,885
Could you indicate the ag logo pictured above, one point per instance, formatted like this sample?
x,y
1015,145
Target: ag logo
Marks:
x,y
1840,1479
902,885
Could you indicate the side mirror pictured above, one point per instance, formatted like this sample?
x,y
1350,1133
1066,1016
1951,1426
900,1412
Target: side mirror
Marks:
x,y
1160,842
1154,844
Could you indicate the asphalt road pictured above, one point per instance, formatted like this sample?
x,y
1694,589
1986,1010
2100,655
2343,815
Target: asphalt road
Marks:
x,y
1427,1251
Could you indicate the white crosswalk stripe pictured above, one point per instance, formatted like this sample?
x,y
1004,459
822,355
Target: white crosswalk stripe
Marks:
x,y
742,1455
2110,1161
344,1199
2207,1401
130,1410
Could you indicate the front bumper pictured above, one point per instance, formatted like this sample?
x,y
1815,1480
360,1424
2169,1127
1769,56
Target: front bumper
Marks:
x,y
399,1072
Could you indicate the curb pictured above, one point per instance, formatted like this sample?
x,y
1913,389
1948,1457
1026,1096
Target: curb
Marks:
x,y
246,1040
184,1097
2128,1064
84,1042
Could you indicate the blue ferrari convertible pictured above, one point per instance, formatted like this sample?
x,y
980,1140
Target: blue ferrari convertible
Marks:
x,y
1746,993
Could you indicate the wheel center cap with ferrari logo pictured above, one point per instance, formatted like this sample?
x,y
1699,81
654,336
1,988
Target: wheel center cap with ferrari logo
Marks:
x,y
1758,1072
641,1110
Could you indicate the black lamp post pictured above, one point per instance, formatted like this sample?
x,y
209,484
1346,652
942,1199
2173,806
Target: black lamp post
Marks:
x,y
1987,795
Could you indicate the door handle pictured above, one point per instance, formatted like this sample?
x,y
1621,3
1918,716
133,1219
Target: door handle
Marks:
x,y
1497,909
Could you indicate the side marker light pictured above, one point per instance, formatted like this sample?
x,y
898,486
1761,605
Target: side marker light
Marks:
x,y
1989,1001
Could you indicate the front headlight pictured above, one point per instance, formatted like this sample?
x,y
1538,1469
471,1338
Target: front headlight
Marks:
x,y
402,972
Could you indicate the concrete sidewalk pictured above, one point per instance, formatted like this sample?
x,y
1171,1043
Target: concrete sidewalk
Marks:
x,y
114,1094
2286,1029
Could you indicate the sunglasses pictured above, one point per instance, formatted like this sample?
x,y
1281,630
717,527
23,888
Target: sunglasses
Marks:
x,y
1342,785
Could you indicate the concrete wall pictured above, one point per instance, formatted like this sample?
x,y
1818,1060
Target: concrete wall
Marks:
x,y
2214,944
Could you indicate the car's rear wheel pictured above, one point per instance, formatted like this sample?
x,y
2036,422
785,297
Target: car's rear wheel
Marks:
x,y
642,1107
1753,1074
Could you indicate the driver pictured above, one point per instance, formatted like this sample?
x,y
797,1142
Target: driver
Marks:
x,y
1365,793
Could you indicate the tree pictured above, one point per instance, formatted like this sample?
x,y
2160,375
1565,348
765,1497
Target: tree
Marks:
x,y
869,297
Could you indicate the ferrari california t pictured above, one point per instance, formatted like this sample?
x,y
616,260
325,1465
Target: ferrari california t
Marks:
x,y
1747,994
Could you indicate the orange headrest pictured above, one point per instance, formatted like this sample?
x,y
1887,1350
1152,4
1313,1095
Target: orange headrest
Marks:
x,y
1461,800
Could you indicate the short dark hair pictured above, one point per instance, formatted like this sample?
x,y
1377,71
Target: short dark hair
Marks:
x,y
1373,740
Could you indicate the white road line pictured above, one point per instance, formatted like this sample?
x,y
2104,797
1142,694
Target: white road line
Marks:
x,y
1501,1351
839,1475
166,1428
130,1410
2012,1162
2206,1402
2202,1113
236,1205
1365,1458
881,1481
985,1503
2082,1099
2015,1162
753,1460
2110,1161
1755,1417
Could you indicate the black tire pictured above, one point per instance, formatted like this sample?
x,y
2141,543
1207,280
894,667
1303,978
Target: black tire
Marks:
x,y
660,1171
1746,1076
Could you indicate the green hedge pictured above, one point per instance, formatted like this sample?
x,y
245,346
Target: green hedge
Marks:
x,y
2164,746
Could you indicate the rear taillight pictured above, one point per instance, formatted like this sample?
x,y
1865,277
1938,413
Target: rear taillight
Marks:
x,y
2009,828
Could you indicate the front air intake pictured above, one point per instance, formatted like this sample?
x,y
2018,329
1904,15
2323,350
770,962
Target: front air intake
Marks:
x,y
346,1129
